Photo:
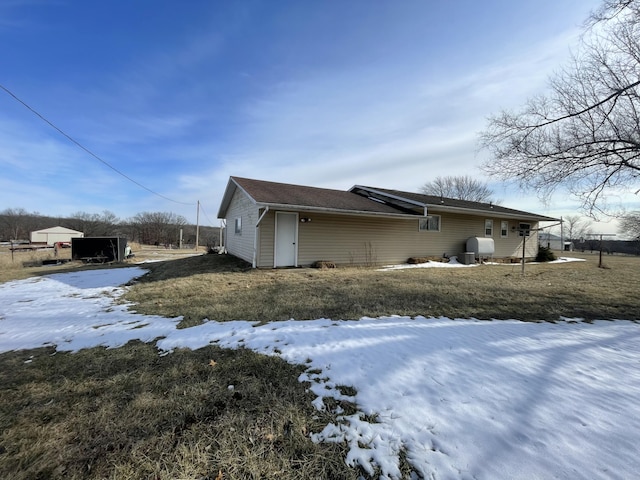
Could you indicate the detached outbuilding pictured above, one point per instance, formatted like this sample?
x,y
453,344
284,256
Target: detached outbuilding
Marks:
x,y
273,224
99,249
53,235
554,242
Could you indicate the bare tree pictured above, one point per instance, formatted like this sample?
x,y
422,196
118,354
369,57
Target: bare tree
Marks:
x,y
630,225
17,223
575,227
462,187
585,133
157,227
94,224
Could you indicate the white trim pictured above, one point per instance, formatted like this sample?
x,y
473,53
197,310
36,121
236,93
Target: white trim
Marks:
x,y
506,235
428,220
388,195
488,221
255,238
337,211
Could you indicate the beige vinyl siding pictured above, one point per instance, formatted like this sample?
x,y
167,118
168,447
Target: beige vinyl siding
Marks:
x,y
456,229
454,232
513,248
241,207
363,240
266,244
357,240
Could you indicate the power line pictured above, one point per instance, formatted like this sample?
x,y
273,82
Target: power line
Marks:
x,y
78,144
205,214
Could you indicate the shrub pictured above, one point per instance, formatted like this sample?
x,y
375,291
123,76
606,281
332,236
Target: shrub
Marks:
x,y
545,255
417,260
323,264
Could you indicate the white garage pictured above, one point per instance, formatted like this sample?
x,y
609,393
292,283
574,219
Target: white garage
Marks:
x,y
53,235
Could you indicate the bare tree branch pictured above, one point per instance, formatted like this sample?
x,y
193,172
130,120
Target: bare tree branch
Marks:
x,y
462,187
585,133
630,225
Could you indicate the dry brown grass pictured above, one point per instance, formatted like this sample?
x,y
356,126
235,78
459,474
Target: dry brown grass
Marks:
x,y
129,413
24,264
18,265
222,288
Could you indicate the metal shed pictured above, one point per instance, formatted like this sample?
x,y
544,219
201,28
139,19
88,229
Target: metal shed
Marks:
x,y
98,249
53,235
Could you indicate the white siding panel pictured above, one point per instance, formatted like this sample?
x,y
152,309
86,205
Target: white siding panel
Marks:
x,y
241,245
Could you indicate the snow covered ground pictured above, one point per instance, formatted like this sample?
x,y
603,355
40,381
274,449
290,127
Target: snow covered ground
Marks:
x,y
465,399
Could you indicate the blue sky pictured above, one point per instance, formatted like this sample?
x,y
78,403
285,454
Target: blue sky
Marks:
x,y
181,95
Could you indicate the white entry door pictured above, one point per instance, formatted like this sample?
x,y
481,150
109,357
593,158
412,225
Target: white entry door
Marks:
x,y
286,240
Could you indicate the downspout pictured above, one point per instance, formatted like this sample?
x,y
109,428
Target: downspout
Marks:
x,y
255,237
223,234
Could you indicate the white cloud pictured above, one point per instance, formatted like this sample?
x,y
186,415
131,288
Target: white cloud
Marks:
x,y
403,112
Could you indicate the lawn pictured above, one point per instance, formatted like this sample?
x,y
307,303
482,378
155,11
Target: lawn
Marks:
x,y
222,288
128,412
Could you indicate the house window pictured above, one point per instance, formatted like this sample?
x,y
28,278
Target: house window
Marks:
x,y
524,229
504,229
488,228
239,226
430,224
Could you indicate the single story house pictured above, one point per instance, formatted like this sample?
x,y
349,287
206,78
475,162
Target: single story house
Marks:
x,y
54,235
274,225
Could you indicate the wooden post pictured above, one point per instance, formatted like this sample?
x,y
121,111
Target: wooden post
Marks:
x,y
198,226
524,242
600,262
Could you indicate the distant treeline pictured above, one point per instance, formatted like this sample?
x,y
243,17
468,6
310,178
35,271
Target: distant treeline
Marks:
x,y
630,247
162,228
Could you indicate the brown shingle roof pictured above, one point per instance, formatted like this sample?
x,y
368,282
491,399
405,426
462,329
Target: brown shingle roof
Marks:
x,y
274,193
434,203
360,200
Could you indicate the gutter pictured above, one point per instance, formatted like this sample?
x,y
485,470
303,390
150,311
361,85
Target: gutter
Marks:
x,y
338,211
255,237
491,213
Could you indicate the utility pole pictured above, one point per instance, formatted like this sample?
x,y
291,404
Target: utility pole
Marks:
x,y
198,226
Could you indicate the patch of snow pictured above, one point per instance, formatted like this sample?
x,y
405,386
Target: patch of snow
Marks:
x,y
567,259
464,399
452,263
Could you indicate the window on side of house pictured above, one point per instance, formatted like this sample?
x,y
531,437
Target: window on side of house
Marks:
x,y
504,228
524,229
239,226
488,228
430,224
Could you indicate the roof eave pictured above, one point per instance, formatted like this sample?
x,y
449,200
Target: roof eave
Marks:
x,y
338,211
497,214
232,185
